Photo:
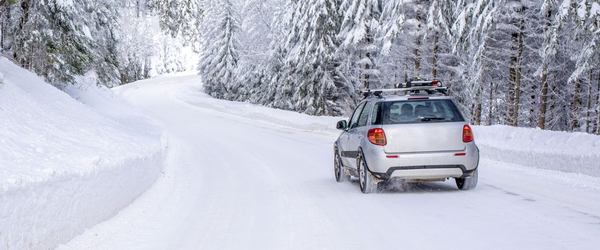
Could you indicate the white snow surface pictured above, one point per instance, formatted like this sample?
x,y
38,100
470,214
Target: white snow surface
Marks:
x,y
240,176
66,165
564,151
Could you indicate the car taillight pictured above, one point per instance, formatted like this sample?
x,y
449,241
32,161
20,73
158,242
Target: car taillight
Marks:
x,y
467,133
377,136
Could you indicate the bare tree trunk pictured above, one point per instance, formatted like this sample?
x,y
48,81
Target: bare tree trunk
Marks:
x,y
533,97
515,74
25,6
396,72
553,105
477,107
598,107
368,66
575,106
365,74
417,51
436,51
510,93
4,12
543,99
147,68
405,72
491,105
588,112
544,91
138,8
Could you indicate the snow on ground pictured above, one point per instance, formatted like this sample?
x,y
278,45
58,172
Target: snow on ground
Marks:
x,y
568,152
66,165
240,176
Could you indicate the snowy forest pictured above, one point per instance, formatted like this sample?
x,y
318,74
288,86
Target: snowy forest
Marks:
x,y
528,63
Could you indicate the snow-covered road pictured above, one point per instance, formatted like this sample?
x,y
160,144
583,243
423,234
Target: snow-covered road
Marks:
x,y
239,178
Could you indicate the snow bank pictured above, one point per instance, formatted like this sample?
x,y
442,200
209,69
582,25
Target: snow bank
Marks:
x,y
563,151
257,113
67,163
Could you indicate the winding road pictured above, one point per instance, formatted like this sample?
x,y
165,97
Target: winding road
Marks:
x,y
237,180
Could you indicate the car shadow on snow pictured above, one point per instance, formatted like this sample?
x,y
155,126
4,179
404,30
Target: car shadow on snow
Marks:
x,y
425,187
396,186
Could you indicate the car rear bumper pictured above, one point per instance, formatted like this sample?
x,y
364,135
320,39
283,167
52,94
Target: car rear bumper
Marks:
x,y
425,172
423,166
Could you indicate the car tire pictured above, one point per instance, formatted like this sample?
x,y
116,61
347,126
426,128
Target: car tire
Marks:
x,y
366,180
467,183
338,168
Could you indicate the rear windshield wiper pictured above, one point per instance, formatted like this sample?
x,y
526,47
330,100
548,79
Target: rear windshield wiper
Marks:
x,y
430,118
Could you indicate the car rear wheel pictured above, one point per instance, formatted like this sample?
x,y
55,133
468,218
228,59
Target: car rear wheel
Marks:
x,y
467,183
338,168
366,180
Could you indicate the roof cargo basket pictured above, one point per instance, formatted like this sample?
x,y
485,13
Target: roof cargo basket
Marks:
x,y
413,87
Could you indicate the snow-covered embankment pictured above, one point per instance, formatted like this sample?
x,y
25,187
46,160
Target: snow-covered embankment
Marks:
x,y
553,150
67,164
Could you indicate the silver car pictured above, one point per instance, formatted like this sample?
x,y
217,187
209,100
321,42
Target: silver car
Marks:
x,y
417,136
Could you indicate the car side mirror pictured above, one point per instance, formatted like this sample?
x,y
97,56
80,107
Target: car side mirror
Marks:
x,y
342,125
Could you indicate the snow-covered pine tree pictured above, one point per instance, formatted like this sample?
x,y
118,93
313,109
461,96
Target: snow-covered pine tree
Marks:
x,y
360,24
312,73
279,91
547,54
7,23
280,13
137,43
570,45
586,15
473,22
179,18
436,21
102,20
391,22
412,40
219,57
62,39
517,35
516,40
53,41
440,62
390,62
258,28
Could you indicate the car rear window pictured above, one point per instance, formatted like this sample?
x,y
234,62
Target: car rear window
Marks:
x,y
416,111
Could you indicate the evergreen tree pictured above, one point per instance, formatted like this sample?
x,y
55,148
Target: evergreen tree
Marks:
x,y
515,62
360,24
312,72
179,18
7,23
53,41
471,32
547,54
219,56
102,20
136,46
390,36
260,26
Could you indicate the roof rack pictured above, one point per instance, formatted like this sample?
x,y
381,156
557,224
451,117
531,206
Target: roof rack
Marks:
x,y
416,87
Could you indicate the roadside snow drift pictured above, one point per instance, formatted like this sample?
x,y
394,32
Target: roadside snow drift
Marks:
x,y
553,150
67,164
